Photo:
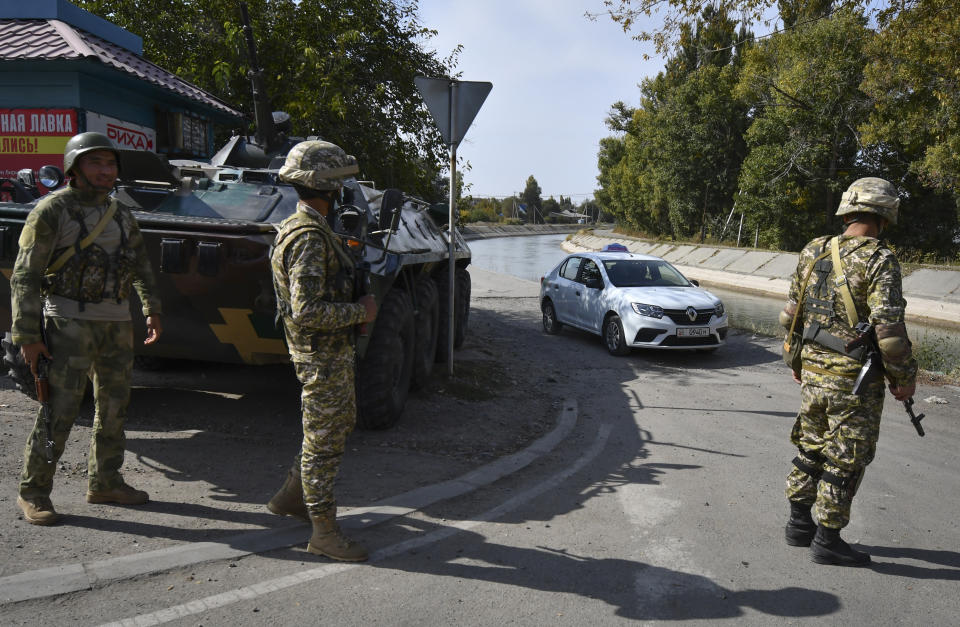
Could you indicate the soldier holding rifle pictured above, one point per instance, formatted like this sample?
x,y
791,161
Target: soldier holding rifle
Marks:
x,y
80,253
314,279
854,279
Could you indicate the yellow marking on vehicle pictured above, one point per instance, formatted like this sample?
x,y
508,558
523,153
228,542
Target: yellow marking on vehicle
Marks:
x,y
238,330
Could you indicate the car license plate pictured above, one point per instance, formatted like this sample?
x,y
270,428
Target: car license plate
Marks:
x,y
693,332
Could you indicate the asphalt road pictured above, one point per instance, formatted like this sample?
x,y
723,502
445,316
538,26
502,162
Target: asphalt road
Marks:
x,y
664,502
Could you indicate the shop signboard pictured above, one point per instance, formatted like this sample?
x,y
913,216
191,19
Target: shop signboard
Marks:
x,y
32,138
124,135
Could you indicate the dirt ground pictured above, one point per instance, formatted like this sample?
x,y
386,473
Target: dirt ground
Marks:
x,y
211,443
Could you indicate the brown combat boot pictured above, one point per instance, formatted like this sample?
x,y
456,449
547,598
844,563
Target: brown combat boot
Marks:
x,y
288,501
328,540
38,510
123,495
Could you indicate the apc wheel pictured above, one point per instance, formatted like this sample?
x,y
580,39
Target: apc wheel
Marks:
x,y
550,323
613,336
462,306
427,320
384,376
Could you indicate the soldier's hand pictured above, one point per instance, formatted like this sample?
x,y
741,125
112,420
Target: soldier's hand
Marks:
x,y
154,329
370,304
796,377
31,354
903,392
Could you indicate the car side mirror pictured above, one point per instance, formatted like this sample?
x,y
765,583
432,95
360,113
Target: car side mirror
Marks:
x,y
695,282
596,284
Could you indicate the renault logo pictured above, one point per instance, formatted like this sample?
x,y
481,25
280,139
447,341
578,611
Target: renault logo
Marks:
x,y
691,313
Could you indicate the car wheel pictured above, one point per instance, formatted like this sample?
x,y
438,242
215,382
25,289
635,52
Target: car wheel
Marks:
x,y
550,323
613,336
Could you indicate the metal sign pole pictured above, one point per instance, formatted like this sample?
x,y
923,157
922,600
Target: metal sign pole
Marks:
x,y
451,302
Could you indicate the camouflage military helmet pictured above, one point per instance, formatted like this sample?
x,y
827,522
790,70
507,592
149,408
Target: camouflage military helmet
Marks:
x,y
82,144
871,195
318,165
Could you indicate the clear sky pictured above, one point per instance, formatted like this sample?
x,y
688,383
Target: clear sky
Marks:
x,y
555,74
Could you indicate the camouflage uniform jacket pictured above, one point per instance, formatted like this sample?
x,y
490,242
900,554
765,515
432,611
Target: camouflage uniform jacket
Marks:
x,y
874,278
38,242
314,287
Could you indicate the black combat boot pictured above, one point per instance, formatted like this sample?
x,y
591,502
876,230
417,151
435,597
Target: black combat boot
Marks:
x,y
829,548
800,527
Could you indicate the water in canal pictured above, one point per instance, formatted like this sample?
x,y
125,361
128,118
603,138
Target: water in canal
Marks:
x,y
533,256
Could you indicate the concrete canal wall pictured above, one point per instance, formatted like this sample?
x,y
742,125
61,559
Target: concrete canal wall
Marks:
x,y
485,231
933,294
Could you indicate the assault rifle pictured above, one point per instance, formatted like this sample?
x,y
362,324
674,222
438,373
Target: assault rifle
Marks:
x,y
43,396
353,221
872,369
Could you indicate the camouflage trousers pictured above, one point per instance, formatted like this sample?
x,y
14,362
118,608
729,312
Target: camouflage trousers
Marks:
x,y
83,350
329,415
837,434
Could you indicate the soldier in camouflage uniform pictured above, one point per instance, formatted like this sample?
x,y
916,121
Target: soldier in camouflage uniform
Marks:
x,y
836,431
313,278
73,310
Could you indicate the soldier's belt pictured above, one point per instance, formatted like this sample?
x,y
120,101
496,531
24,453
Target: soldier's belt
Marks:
x,y
819,370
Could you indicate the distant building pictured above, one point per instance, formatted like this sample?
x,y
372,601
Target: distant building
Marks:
x,y
64,70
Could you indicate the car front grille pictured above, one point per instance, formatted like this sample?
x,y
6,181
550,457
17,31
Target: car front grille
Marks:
x,y
673,340
679,316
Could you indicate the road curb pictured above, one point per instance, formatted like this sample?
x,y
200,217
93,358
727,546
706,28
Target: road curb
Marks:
x,y
46,582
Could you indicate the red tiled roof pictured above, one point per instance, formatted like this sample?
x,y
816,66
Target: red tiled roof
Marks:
x,y
53,39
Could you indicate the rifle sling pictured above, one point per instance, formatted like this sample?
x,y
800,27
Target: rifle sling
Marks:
x,y
840,280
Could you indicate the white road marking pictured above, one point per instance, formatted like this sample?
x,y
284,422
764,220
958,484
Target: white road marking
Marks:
x,y
223,599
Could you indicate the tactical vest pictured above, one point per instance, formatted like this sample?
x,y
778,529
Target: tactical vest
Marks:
x,y
338,277
83,277
821,303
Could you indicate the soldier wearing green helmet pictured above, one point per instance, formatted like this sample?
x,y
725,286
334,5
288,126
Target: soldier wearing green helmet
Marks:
x,y
839,282
312,275
80,253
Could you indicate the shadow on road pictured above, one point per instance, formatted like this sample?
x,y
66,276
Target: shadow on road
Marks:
x,y
637,589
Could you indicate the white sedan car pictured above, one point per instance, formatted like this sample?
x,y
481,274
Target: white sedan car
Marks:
x,y
631,300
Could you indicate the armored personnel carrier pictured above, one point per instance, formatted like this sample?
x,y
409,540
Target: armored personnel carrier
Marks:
x,y
208,229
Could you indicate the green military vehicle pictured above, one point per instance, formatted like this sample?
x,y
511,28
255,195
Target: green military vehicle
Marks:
x,y
209,228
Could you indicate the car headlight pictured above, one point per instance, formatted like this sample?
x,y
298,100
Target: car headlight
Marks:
x,y
718,309
650,311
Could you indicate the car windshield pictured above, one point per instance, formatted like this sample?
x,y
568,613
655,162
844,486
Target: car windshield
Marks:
x,y
643,273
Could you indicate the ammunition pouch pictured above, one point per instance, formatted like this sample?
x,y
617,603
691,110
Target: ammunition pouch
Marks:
x,y
83,277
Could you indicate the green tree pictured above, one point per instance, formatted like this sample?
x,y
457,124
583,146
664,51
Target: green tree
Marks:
x,y
344,70
914,81
531,198
804,148
550,206
675,168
